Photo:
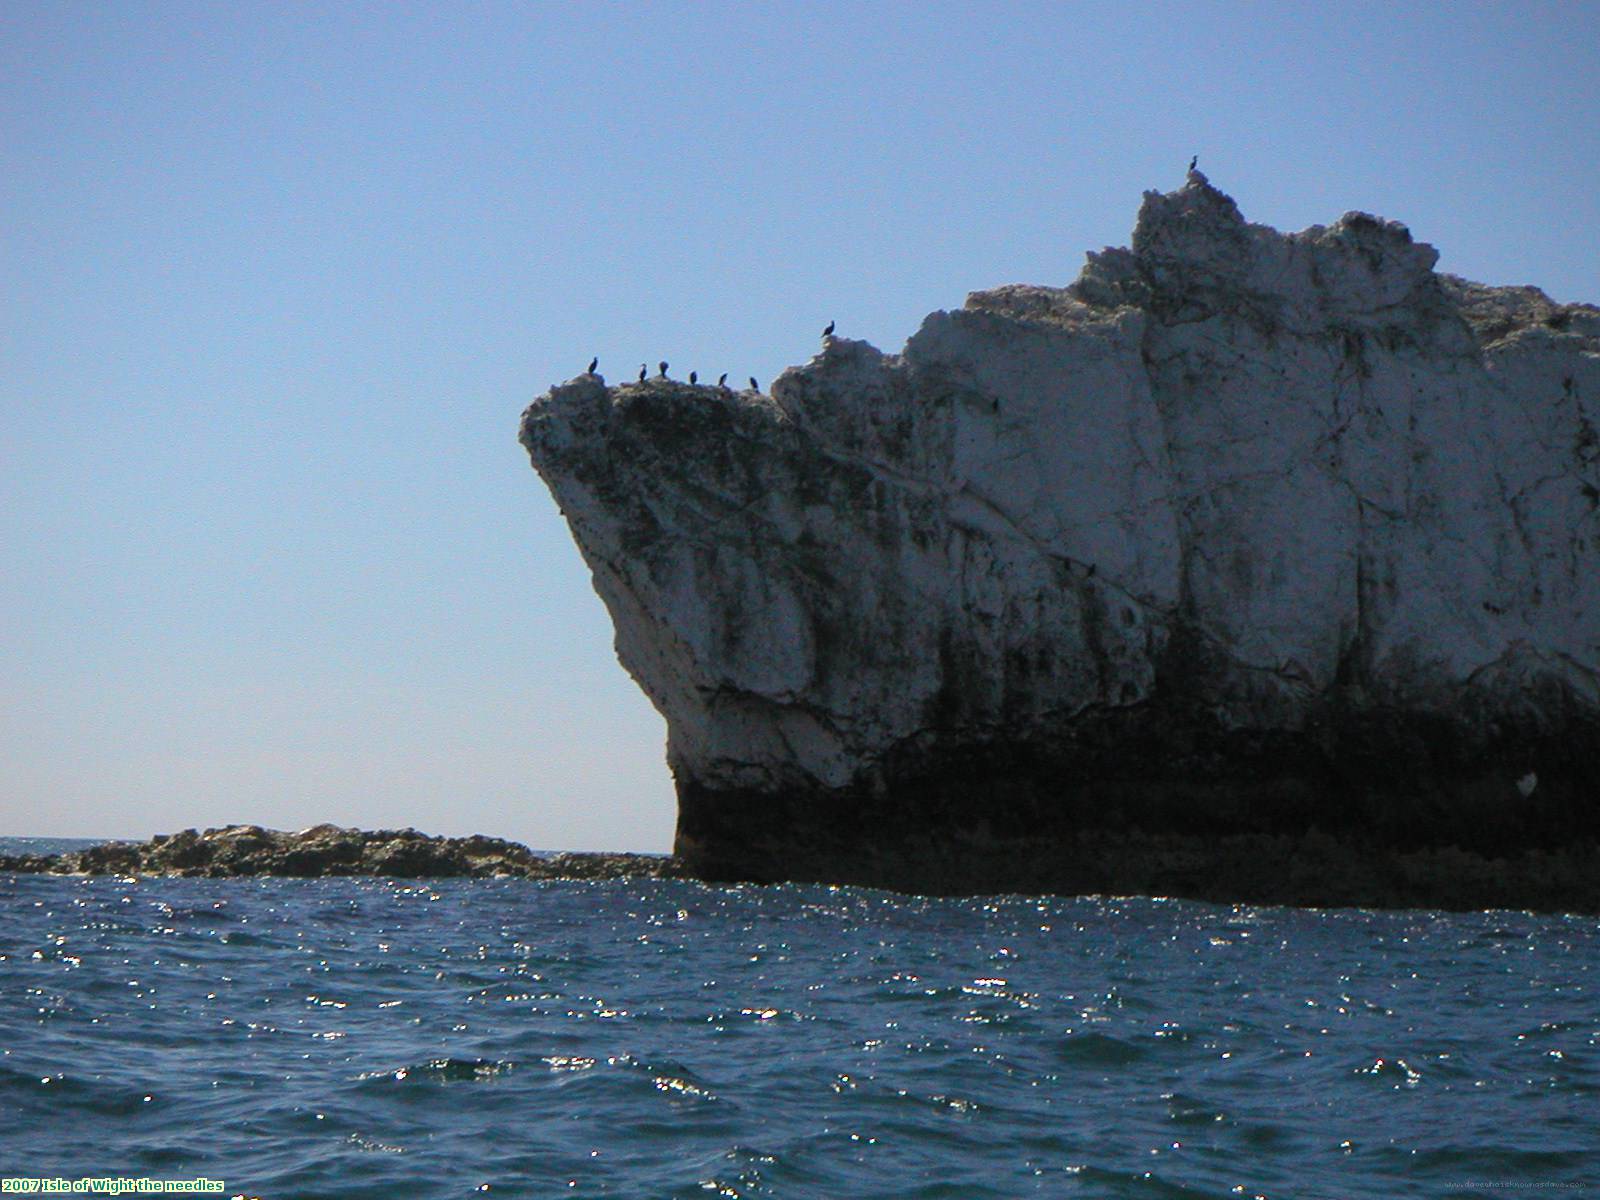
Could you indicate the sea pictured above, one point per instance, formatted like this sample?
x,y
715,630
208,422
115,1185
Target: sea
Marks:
x,y
658,1038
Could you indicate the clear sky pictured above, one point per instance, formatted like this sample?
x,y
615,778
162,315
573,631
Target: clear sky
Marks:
x,y
277,281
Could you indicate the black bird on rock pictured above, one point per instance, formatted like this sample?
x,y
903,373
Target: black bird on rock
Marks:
x,y
754,386
828,332
1194,162
722,380
593,363
643,371
663,366
694,378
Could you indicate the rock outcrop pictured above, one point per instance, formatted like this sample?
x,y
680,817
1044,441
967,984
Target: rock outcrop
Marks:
x,y
1241,535
333,850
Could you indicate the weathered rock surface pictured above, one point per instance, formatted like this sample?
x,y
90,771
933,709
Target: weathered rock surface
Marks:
x,y
334,850
1241,535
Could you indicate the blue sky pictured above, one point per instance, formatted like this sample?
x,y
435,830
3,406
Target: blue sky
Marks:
x,y
278,281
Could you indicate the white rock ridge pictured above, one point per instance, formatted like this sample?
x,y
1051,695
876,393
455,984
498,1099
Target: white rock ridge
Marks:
x,y
1241,531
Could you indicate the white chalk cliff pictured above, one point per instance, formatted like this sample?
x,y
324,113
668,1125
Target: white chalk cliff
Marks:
x,y
1238,513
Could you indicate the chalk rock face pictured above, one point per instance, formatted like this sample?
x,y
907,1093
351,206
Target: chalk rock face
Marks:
x,y
1242,533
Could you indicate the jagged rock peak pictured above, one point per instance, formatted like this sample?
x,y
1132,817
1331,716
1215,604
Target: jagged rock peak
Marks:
x,y
1192,250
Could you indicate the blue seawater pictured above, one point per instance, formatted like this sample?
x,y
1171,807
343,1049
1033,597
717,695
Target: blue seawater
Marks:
x,y
383,1038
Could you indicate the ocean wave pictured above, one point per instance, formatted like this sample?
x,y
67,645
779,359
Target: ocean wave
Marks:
x,y
661,1038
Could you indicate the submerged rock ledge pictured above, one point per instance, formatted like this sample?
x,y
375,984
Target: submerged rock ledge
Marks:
x,y
334,850
1243,539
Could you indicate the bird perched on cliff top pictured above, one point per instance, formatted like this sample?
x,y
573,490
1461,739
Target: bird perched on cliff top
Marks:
x,y
1194,162
694,377
828,332
593,363
663,366
754,386
722,380
643,371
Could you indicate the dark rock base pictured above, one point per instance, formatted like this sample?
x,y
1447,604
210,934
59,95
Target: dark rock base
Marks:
x,y
1379,809
1315,870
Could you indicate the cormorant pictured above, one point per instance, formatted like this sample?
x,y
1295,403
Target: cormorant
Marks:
x,y
593,363
694,377
1194,162
828,332
663,366
722,380
754,386
643,371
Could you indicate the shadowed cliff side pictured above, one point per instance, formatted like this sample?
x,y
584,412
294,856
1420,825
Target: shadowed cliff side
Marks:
x,y
1243,535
